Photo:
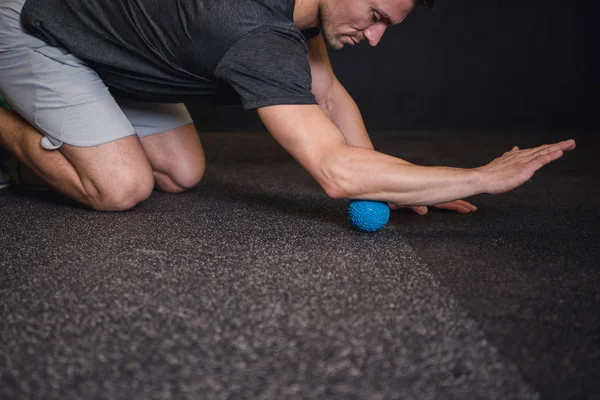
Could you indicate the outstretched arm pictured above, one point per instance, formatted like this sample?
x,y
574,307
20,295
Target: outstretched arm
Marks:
x,y
346,171
341,109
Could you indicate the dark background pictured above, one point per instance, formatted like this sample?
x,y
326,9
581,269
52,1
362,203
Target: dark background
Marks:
x,y
254,285
484,65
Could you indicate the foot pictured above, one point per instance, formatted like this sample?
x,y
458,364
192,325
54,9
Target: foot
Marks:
x,y
4,179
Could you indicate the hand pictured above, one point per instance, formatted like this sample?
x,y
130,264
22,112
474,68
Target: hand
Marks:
x,y
460,206
516,167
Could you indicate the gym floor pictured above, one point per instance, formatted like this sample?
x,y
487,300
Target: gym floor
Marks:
x,y
255,286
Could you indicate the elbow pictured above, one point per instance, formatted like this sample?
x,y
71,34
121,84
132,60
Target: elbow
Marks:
x,y
326,99
333,191
336,177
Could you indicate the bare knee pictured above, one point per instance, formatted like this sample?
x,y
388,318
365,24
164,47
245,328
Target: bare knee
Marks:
x,y
181,176
125,191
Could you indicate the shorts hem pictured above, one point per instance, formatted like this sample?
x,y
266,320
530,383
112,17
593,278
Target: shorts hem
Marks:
x,y
92,143
144,134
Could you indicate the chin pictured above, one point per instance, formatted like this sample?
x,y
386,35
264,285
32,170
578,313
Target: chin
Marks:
x,y
334,43
337,45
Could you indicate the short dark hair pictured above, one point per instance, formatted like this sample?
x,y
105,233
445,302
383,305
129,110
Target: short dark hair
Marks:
x,y
424,3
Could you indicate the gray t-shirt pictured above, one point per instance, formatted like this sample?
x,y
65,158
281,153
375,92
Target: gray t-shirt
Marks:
x,y
184,50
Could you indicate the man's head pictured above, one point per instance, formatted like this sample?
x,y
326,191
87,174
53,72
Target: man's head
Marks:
x,y
350,21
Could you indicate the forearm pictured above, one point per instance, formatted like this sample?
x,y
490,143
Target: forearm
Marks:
x,y
342,110
361,173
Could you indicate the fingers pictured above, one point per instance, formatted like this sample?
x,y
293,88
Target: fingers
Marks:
x,y
467,205
463,210
460,206
530,166
421,210
568,145
565,145
511,151
547,158
549,153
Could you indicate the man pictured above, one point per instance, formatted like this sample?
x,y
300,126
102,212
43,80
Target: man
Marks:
x,y
100,82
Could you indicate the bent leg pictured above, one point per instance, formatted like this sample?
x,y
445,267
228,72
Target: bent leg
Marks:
x,y
76,137
114,176
170,142
177,158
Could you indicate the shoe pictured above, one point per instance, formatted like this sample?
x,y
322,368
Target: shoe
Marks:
x,y
14,173
21,176
4,177
4,180
4,156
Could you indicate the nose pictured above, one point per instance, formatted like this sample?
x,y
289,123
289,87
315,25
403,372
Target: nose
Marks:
x,y
374,33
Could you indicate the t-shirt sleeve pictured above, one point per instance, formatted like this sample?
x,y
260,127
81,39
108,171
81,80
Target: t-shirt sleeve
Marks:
x,y
268,66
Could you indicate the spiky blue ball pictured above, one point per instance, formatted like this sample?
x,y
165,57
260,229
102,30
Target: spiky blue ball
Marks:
x,y
368,216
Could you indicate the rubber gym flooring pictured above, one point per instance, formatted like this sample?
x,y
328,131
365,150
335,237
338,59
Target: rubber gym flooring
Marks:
x,y
255,286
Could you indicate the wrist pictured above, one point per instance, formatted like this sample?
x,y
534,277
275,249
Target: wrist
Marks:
x,y
478,180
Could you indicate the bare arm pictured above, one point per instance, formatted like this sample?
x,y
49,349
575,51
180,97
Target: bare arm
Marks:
x,y
333,98
355,172
341,109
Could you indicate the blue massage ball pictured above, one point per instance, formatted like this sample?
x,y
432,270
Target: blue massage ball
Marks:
x,y
368,216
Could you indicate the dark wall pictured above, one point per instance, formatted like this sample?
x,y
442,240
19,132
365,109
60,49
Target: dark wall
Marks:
x,y
469,65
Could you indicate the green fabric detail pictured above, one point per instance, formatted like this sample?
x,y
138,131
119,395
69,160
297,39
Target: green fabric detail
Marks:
x,y
4,103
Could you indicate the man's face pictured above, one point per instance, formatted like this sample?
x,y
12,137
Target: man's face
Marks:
x,y
350,21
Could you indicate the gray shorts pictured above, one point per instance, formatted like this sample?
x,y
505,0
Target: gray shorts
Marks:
x,y
64,98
